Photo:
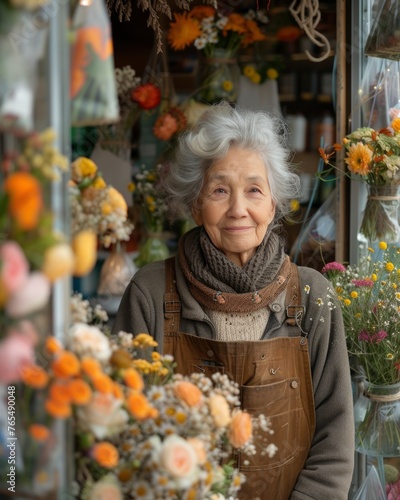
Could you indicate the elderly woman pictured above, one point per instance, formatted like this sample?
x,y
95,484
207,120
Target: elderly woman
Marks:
x,y
231,301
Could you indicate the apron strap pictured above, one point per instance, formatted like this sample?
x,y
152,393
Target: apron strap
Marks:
x,y
172,304
294,310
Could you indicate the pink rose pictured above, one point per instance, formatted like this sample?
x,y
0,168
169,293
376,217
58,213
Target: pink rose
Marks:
x,y
30,298
106,489
14,266
17,351
179,458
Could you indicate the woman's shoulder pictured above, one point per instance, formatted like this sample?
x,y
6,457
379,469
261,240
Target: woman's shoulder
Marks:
x,y
149,272
311,277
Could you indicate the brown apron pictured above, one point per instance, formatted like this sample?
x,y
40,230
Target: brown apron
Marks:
x,y
275,379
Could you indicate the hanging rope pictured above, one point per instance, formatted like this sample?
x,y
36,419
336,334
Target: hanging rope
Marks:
x,y
308,16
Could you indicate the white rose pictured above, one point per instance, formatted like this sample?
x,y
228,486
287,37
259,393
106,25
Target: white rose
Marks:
x,y
103,416
179,459
90,341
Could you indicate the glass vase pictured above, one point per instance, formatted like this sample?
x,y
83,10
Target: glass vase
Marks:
x,y
219,77
381,214
377,420
116,272
152,246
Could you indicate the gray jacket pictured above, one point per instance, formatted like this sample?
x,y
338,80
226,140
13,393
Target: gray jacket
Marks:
x,y
329,467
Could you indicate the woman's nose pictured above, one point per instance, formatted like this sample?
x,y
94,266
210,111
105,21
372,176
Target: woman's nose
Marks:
x,y
237,205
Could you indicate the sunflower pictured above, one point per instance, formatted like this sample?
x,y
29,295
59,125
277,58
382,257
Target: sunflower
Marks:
x,y
183,31
359,159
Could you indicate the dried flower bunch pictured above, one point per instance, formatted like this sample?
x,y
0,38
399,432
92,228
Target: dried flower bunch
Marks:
x,y
97,206
369,295
207,29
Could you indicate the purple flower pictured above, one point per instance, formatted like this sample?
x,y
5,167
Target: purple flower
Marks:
x,y
364,335
333,266
379,336
360,283
393,491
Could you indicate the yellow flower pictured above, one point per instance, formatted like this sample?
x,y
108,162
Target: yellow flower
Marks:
x,y
183,31
272,74
99,183
389,355
106,208
371,250
83,167
249,70
294,205
383,245
227,85
131,187
396,125
358,159
389,267
58,261
256,78
374,277
84,246
347,302
354,295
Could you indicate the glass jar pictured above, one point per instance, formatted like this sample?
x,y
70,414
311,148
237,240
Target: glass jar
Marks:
x,y
377,420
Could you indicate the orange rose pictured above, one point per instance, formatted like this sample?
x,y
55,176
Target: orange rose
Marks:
x,y
241,429
138,405
66,365
188,392
133,379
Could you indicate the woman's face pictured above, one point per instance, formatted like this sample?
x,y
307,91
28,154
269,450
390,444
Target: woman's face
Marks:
x,y
235,206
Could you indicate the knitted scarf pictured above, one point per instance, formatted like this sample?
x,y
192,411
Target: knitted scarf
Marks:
x,y
219,284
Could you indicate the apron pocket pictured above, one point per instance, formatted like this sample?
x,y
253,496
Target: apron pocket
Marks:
x,y
280,402
204,366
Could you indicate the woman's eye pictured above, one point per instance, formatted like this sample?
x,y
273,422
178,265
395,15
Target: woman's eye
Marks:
x,y
255,190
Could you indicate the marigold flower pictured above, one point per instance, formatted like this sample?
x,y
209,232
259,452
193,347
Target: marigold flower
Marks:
x,y
59,392
91,367
52,345
133,379
79,391
66,364
105,454
138,405
103,383
39,432
56,409
25,199
34,376
383,245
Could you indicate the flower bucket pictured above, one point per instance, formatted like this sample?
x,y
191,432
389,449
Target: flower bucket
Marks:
x,y
381,214
153,244
377,420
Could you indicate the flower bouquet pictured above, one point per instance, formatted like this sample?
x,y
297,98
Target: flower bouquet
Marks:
x,y
96,208
218,37
141,431
374,156
370,300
